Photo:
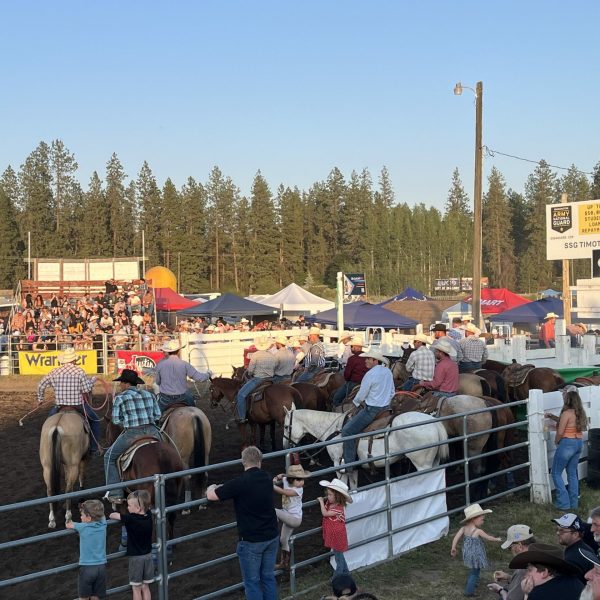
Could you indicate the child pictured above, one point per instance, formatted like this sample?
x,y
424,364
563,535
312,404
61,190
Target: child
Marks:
x,y
474,555
290,513
138,524
334,521
92,550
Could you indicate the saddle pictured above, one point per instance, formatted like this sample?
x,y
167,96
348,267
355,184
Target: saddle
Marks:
x,y
516,374
67,408
164,419
586,381
321,378
257,394
125,459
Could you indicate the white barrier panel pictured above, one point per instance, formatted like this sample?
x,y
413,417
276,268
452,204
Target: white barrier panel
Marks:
x,y
425,509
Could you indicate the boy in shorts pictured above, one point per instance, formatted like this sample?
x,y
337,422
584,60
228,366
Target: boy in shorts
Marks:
x,y
138,524
92,550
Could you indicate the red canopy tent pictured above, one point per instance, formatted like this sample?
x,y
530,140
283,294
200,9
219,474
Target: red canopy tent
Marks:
x,y
497,300
168,300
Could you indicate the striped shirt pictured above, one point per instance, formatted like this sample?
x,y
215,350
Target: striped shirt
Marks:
x,y
315,357
421,363
474,349
69,382
134,407
172,374
262,364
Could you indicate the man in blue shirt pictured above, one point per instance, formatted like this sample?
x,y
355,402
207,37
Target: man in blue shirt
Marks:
x,y
137,412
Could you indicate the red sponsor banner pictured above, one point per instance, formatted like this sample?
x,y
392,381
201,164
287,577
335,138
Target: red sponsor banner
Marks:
x,y
137,360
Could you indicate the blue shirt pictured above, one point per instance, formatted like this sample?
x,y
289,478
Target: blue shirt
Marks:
x,y
135,407
92,542
376,388
172,374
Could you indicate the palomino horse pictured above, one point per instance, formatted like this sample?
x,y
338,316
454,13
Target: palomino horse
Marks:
x,y
188,428
269,410
64,447
324,426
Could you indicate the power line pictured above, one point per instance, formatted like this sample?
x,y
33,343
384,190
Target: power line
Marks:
x,y
492,153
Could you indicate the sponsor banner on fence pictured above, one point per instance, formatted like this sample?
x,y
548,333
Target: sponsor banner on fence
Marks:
x,y
572,229
40,363
137,360
355,284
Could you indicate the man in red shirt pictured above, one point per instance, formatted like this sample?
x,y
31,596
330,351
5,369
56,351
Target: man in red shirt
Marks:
x,y
445,377
355,370
547,335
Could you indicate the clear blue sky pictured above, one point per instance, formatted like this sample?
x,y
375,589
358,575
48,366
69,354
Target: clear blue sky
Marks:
x,y
296,88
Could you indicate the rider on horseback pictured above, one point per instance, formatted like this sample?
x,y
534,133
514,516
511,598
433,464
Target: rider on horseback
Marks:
x,y
445,377
356,368
315,357
137,412
420,364
286,360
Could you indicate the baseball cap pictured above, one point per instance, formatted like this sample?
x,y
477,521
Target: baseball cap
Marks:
x,y
570,521
516,533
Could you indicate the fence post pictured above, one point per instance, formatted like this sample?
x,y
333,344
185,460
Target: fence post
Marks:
x,y
594,414
104,353
538,452
466,460
563,349
161,536
519,348
388,495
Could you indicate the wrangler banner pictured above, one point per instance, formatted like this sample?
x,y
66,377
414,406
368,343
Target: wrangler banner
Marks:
x,y
137,360
40,363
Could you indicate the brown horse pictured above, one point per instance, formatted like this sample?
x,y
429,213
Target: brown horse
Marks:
x,y
522,378
64,447
269,410
188,428
496,383
313,397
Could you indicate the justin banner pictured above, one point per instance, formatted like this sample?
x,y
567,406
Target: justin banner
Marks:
x,y
41,363
137,360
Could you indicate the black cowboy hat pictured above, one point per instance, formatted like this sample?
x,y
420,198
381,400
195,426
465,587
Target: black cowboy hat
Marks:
x,y
544,554
439,327
129,376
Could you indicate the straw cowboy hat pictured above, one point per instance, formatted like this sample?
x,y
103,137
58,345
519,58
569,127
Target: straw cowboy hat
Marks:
x,y
263,343
338,486
295,343
281,339
421,337
444,345
475,510
297,472
544,554
357,341
376,355
69,355
314,331
172,346
472,329
467,318
551,315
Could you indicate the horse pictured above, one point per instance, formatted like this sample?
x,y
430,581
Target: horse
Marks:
x,y
188,428
324,426
269,410
496,383
313,397
64,445
522,378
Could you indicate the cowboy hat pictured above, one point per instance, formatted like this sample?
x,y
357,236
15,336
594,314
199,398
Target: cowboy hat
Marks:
x,y
244,320
376,355
551,315
172,346
439,327
129,376
467,318
263,343
357,341
472,329
69,355
444,345
421,337
295,343
474,510
338,486
314,331
281,339
210,328
297,472
544,554
516,534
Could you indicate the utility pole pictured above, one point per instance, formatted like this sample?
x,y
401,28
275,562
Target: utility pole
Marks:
x,y
477,218
566,283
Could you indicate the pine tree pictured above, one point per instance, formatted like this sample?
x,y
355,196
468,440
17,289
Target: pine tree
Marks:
x,y
11,246
62,169
94,231
119,231
150,210
291,240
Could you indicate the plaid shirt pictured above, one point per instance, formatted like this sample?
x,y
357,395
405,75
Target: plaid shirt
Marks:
x,y
315,357
69,382
473,349
262,364
421,364
134,407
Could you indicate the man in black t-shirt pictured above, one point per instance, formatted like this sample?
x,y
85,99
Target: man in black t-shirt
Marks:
x,y
570,531
252,495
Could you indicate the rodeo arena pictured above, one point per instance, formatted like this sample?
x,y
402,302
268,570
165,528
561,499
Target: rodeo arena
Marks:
x,y
471,419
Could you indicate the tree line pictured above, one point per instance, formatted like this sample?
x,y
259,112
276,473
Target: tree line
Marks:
x,y
213,237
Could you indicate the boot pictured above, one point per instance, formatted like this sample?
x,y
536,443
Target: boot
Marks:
x,y
284,561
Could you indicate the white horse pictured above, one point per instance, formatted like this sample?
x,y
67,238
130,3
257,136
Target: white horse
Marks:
x,y
323,426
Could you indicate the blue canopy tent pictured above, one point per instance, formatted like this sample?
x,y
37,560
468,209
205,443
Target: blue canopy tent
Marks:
x,y
549,293
229,305
532,312
407,294
358,315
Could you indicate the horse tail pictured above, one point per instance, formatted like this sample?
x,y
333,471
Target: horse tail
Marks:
x,y
501,388
443,450
56,454
296,398
486,388
199,449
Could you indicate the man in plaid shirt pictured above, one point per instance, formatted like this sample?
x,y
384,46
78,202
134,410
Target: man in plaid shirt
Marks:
x,y
420,364
70,383
137,412
315,357
473,350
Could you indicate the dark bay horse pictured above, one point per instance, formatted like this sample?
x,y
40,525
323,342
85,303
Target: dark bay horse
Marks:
x,y
313,397
522,378
269,410
64,447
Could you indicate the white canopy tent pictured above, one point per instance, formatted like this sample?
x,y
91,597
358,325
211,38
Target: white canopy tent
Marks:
x,y
294,300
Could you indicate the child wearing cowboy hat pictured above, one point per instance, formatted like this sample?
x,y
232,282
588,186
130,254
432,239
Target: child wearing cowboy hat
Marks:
x,y
473,552
290,486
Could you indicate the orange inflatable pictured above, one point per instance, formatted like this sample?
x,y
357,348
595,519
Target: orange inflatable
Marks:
x,y
161,277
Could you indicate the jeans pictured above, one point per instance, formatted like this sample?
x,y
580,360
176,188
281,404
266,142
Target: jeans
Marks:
x,y
341,566
257,562
355,425
307,374
467,366
472,581
93,420
343,392
409,384
246,389
164,400
120,445
566,457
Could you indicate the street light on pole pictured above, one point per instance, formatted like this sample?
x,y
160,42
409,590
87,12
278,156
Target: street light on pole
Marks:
x,y
477,191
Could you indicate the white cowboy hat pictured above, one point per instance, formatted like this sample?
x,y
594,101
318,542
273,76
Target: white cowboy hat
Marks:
x,y
421,337
172,346
551,315
244,320
474,510
263,343
467,318
314,331
281,339
210,328
376,355
69,355
357,341
338,486
443,345
295,343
